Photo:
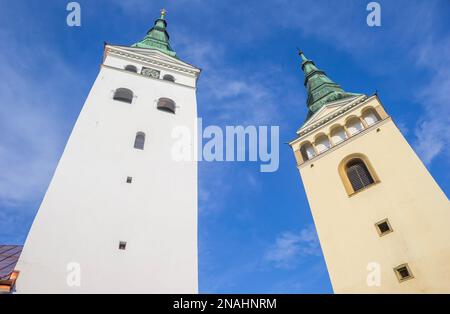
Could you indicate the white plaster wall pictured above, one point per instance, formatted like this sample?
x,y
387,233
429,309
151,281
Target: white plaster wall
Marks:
x,y
89,208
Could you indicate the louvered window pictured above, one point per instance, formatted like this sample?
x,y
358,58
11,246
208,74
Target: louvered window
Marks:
x,y
358,175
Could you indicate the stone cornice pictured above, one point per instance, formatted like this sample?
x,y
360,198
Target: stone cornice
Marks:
x,y
152,61
332,116
303,131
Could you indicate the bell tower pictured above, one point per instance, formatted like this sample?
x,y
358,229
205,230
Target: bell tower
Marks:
x,y
120,213
381,218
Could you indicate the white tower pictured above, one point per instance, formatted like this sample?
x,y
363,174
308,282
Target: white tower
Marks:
x,y
120,215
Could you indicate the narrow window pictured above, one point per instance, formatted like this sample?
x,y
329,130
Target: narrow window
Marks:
x,y
383,227
122,245
123,94
166,104
403,272
139,141
358,174
129,179
169,78
131,68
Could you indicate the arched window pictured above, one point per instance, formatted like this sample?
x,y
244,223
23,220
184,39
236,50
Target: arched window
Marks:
x,y
139,141
169,78
370,116
123,94
307,151
354,126
131,68
166,104
358,174
338,135
322,143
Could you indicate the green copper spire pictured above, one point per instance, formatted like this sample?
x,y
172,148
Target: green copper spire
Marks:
x,y
321,90
157,37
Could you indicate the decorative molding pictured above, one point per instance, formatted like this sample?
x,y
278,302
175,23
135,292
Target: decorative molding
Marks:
x,y
345,142
149,60
354,103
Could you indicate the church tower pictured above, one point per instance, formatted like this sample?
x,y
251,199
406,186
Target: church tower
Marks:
x,y
120,213
381,218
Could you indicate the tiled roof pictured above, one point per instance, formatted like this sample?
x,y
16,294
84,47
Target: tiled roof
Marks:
x,y
9,255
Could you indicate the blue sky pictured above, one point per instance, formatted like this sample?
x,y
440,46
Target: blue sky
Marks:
x,y
255,229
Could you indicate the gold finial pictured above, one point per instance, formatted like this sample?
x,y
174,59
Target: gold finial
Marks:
x,y
163,13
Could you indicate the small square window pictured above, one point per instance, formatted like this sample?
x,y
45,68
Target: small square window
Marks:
x,y
122,245
129,179
383,227
403,272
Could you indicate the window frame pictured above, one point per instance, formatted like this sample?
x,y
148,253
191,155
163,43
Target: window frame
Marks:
x,y
342,170
380,233
398,274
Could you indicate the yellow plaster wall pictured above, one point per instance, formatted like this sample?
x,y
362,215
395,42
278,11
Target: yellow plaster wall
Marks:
x,y
406,194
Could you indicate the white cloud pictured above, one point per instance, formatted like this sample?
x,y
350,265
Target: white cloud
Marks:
x,y
290,246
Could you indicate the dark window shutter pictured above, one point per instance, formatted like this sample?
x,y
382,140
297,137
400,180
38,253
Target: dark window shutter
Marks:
x,y
359,175
123,94
139,140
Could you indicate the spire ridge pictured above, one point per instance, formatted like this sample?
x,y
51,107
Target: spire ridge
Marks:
x,y
157,37
320,88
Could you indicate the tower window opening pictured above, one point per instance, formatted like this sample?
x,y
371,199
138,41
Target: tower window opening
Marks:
x,y
403,272
123,94
370,116
338,135
169,78
358,174
129,179
122,245
322,143
166,104
383,227
139,141
307,151
131,68
354,126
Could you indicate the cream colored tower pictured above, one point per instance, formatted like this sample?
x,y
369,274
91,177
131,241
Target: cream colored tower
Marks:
x,y
382,220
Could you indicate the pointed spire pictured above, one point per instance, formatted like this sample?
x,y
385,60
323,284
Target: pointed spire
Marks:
x,y
321,90
157,37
